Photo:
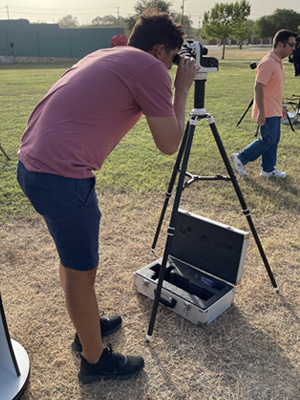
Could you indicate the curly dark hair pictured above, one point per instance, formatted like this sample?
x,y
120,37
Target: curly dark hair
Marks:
x,y
154,27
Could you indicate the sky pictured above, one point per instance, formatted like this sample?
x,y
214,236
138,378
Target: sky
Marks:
x,y
51,11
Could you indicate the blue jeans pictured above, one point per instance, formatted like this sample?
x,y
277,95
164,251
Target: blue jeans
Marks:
x,y
266,146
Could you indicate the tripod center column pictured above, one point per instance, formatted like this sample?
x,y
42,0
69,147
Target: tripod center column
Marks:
x,y
199,93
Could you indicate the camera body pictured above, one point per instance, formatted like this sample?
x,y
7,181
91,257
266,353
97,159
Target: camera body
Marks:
x,y
198,52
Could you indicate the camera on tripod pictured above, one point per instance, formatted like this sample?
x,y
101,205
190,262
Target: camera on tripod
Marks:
x,y
198,52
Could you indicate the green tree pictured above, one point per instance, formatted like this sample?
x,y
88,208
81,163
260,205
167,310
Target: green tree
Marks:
x,y
264,27
142,5
68,22
161,5
129,24
241,32
108,20
186,22
267,26
225,20
286,19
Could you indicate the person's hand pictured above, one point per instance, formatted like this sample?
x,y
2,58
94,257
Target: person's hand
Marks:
x,y
261,119
186,72
284,113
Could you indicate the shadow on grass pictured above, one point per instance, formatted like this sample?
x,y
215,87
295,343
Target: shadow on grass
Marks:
x,y
228,358
280,192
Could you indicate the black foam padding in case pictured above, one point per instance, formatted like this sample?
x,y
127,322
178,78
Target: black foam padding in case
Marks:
x,y
209,246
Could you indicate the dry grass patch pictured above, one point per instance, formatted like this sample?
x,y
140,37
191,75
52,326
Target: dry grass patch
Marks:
x,y
249,352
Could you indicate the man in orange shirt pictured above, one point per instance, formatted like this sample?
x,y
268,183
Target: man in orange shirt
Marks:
x,y
268,108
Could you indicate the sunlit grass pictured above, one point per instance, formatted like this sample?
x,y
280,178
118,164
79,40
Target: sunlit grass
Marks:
x,y
136,165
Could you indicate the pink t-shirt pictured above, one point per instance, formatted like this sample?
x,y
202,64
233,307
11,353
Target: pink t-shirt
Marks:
x,y
271,74
91,107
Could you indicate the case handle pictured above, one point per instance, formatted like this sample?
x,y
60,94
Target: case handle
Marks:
x,y
167,303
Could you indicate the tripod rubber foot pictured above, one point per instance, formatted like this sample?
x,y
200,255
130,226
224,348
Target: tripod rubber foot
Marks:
x,y
276,289
148,338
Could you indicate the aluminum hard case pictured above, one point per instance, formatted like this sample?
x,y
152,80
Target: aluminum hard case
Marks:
x,y
205,262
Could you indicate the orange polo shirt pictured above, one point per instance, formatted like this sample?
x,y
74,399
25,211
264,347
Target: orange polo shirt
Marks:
x,y
271,74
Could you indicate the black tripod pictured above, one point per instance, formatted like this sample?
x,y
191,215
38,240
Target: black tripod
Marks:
x,y
248,108
180,166
4,153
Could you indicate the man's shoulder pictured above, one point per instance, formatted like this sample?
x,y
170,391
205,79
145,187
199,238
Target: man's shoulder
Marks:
x,y
123,52
134,54
270,62
270,57
128,58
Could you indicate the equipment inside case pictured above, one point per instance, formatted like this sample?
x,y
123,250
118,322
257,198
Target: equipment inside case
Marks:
x,y
205,262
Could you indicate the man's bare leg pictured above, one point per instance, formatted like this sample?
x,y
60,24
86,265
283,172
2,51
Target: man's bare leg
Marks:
x,y
82,307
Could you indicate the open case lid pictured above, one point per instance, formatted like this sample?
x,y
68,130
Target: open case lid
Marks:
x,y
210,246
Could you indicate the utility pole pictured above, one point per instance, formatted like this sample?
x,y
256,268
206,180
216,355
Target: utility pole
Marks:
x,y
7,10
182,12
118,13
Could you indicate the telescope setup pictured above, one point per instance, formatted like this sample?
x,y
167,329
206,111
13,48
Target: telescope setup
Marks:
x,y
180,262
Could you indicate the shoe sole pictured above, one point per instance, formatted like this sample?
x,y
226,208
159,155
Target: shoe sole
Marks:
x,y
78,348
95,378
272,176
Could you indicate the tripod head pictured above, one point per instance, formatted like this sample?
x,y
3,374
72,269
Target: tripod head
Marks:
x,y
207,64
198,52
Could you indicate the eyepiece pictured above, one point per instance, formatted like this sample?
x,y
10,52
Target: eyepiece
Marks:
x,y
253,65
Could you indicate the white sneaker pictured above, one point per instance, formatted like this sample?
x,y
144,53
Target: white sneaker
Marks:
x,y
238,165
274,174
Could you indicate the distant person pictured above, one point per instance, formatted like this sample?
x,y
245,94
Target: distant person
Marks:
x,y
296,57
268,108
69,135
118,40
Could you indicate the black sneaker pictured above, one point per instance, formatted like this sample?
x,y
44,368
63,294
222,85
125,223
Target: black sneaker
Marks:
x,y
108,324
111,365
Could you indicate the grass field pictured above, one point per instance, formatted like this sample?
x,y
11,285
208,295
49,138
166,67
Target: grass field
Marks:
x,y
250,351
136,165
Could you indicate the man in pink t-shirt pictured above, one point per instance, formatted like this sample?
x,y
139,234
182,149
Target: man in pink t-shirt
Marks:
x,y
268,108
70,133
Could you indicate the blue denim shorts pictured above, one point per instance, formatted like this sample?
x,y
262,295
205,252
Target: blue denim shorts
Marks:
x,y
71,211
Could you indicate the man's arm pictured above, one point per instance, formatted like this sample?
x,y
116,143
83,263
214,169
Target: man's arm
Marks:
x,y
167,131
259,100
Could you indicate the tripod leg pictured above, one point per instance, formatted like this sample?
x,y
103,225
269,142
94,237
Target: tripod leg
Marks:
x,y
245,209
171,229
1,148
171,185
290,122
242,117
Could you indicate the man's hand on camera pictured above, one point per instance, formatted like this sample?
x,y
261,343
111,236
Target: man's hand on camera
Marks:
x,y
167,131
186,72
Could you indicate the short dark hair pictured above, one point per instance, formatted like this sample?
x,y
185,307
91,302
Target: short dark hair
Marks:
x,y
154,27
283,36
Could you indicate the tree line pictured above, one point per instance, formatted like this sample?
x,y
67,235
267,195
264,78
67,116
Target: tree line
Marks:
x,y
127,23
229,21
223,22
